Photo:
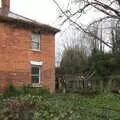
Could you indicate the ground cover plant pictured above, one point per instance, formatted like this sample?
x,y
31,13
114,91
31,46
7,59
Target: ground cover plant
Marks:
x,y
70,106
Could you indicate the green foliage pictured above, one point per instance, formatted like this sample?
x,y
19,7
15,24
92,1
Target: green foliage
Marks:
x,y
74,60
18,109
114,62
36,90
61,107
98,62
115,77
12,91
104,64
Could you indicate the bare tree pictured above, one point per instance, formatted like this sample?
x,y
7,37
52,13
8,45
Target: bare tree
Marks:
x,y
115,35
96,32
110,9
96,29
71,39
73,60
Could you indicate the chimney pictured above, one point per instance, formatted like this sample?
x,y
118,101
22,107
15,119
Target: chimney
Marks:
x,y
5,7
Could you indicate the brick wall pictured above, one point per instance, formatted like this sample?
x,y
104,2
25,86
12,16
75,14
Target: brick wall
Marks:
x,y
16,54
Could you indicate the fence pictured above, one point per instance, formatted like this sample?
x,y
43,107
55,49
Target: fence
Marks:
x,y
78,83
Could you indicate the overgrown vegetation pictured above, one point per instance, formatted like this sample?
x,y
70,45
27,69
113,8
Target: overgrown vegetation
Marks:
x,y
98,71
73,61
17,91
60,107
105,64
99,39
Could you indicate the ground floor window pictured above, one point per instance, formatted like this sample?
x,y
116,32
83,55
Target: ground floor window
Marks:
x,y
35,74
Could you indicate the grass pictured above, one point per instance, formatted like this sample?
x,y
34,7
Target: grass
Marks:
x,y
69,106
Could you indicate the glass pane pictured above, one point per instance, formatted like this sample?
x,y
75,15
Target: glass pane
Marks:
x,y
35,79
35,70
35,73
35,45
35,37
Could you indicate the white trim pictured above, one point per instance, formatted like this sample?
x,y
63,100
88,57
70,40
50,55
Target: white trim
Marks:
x,y
36,63
0,3
36,85
36,50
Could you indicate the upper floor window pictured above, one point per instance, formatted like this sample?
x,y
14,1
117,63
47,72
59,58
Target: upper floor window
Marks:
x,y
35,41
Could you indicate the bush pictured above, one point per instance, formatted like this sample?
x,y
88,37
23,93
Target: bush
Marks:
x,y
18,110
77,107
12,91
35,90
61,107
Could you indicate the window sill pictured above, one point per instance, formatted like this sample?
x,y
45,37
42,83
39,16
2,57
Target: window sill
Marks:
x,y
35,50
36,85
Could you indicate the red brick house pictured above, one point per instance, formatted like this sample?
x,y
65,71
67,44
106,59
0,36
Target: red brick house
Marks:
x,y
27,51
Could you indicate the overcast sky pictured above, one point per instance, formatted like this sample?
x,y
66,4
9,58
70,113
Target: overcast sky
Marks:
x,y
44,11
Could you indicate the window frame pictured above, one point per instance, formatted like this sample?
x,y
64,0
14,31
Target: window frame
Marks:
x,y
36,63
0,3
34,41
34,75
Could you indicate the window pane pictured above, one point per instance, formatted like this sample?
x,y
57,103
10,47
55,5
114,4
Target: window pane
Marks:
x,y
35,70
35,37
35,41
35,45
35,73
35,79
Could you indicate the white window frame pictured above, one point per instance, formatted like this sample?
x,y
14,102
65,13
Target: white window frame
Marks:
x,y
37,64
0,3
34,41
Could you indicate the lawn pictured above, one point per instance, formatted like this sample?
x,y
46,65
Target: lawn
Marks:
x,y
69,106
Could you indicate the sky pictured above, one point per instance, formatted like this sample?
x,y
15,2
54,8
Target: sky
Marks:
x,y
44,11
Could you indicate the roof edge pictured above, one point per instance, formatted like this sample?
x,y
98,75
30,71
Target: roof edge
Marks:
x,y
33,24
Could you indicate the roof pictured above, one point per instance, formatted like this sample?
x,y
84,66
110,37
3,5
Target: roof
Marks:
x,y
22,22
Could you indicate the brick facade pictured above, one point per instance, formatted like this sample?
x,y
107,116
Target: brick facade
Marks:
x,y
16,54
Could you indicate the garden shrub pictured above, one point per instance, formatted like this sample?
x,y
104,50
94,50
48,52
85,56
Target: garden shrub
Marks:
x,y
61,107
35,90
11,91
18,110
